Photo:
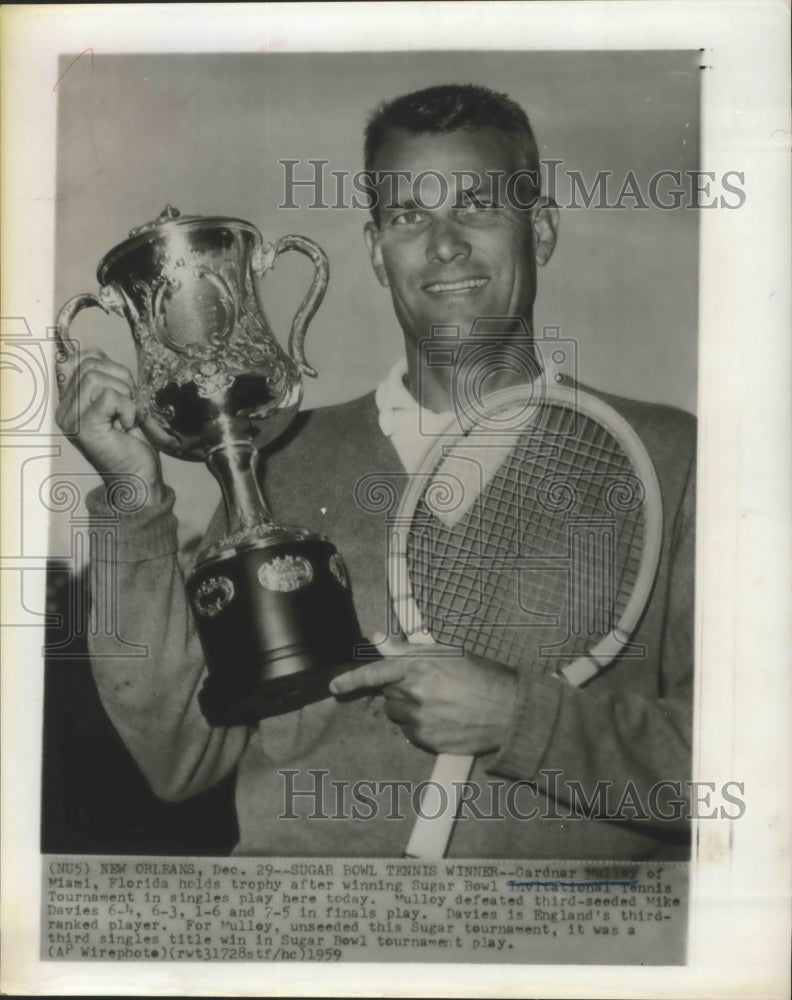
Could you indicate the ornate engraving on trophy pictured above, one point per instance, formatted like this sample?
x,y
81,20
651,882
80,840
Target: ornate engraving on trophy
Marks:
x,y
193,299
338,569
285,573
213,595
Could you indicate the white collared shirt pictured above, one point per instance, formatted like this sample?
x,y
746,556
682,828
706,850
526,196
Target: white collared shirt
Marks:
x,y
411,428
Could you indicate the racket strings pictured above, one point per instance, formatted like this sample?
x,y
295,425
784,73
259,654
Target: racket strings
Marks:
x,y
543,563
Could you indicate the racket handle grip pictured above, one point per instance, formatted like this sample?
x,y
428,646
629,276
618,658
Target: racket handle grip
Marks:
x,y
439,806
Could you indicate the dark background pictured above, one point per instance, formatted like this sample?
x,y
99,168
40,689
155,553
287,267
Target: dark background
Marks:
x,y
94,798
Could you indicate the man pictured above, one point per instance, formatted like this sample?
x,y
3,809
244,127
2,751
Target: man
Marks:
x,y
337,778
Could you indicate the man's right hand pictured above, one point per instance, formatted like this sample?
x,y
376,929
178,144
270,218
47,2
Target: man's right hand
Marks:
x,y
97,410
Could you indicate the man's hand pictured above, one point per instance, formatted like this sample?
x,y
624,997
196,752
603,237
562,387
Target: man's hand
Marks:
x,y
448,704
97,409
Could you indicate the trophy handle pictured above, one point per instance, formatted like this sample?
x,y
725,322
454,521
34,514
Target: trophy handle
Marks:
x,y
107,300
264,259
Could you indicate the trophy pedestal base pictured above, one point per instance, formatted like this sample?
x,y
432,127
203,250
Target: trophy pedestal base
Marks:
x,y
277,623
224,705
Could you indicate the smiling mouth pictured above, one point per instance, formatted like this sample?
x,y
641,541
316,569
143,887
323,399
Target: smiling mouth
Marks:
x,y
447,287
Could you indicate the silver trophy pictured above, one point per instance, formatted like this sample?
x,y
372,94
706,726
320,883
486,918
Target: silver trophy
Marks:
x,y
271,603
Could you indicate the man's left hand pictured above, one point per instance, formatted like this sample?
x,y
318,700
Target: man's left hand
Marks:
x,y
448,704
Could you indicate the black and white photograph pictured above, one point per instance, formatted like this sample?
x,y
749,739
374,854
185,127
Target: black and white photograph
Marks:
x,y
253,702
365,518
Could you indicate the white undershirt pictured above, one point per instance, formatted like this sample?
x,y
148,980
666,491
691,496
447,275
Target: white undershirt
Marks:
x,y
411,428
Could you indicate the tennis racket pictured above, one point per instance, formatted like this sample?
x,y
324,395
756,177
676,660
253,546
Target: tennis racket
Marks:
x,y
530,538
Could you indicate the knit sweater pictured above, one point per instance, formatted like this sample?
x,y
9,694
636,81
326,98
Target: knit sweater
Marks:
x,y
631,727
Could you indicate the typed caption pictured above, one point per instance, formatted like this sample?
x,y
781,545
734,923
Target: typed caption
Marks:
x,y
352,910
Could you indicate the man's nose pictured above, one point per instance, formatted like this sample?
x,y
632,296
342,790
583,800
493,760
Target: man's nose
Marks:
x,y
447,241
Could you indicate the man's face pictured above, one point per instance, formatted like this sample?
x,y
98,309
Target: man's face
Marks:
x,y
448,262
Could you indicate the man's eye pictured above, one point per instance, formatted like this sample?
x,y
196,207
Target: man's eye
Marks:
x,y
410,218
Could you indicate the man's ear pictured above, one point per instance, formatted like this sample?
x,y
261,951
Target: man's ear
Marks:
x,y
545,224
374,246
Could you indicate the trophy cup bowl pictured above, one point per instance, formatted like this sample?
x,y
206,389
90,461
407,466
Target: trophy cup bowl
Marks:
x,y
271,603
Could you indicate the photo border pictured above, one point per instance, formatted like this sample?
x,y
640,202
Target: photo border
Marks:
x,y
739,922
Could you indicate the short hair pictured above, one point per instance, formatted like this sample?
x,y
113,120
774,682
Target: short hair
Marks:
x,y
449,108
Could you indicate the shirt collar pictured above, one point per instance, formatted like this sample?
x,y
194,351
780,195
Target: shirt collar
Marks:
x,y
411,428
